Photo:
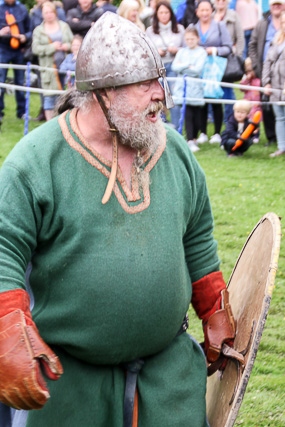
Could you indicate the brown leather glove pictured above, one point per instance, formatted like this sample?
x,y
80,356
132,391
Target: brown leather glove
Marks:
x,y
219,329
210,300
23,355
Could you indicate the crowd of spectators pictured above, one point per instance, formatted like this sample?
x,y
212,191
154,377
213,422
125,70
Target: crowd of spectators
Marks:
x,y
223,27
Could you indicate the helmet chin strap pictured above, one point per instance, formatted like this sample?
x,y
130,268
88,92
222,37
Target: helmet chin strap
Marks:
x,y
114,167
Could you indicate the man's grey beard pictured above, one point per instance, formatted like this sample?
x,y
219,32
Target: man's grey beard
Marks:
x,y
135,130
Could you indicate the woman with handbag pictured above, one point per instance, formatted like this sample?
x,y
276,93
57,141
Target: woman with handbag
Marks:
x,y
273,77
168,37
51,41
216,40
234,27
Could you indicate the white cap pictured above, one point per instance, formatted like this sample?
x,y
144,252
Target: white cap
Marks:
x,y
271,2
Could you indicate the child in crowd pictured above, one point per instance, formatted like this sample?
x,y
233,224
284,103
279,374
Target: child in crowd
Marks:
x,y
253,95
190,61
235,126
69,62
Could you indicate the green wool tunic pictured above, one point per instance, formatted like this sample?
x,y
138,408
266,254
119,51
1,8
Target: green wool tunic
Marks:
x,y
111,282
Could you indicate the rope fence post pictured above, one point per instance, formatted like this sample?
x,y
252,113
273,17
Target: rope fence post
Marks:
x,y
183,108
27,105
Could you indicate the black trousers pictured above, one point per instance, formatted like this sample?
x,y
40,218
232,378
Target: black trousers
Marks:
x,y
192,121
5,416
218,117
268,118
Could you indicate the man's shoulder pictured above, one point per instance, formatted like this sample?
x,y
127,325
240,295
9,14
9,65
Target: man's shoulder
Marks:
x,y
16,9
20,9
96,11
74,12
37,144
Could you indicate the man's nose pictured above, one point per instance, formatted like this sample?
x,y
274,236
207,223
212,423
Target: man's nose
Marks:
x,y
157,92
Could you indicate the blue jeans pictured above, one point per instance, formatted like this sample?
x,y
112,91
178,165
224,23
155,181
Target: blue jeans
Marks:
x,y
228,94
174,111
10,417
247,35
5,416
279,111
10,56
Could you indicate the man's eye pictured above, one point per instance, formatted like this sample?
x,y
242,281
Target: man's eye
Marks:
x,y
145,86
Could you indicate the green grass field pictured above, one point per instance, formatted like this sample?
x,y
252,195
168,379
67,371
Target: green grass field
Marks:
x,y
242,190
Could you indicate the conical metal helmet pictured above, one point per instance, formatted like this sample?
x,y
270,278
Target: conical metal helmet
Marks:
x,y
115,52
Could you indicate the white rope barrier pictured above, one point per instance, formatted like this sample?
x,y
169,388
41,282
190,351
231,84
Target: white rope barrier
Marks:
x,y
49,92
30,89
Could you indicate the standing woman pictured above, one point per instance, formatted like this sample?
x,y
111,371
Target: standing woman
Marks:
x,y
234,27
273,76
168,37
51,40
216,40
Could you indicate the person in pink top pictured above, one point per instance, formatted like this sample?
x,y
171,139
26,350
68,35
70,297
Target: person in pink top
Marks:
x,y
248,12
252,95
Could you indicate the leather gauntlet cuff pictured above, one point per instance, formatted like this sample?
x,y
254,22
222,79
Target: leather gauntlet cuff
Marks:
x,y
206,294
219,328
23,355
16,299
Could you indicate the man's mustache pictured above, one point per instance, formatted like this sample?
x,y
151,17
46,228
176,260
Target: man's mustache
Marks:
x,y
154,107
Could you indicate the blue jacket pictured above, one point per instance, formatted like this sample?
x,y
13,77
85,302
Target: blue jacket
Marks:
x,y
68,64
21,15
190,62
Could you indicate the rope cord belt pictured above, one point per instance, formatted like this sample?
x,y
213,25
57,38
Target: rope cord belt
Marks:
x,y
131,396
133,369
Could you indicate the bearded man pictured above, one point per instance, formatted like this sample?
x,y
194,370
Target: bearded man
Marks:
x,y
111,209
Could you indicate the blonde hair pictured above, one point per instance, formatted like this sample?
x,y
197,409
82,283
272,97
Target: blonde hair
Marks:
x,y
141,4
126,7
280,35
77,37
192,30
243,105
248,64
51,5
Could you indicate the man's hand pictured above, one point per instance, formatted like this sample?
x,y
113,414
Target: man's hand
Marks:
x,y
23,356
210,299
219,329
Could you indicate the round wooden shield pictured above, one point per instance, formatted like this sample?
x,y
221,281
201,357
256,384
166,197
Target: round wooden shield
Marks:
x,y
250,288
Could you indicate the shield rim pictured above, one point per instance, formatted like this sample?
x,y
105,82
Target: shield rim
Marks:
x,y
268,290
